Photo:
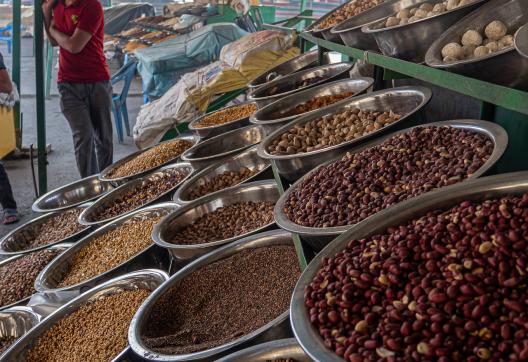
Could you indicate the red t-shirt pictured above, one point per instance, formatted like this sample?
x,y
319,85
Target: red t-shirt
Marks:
x,y
89,65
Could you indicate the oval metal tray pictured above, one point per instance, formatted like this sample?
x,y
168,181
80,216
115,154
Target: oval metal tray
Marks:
x,y
480,189
163,232
276,329
326,32
87,216
521,41
281,349
406,101
272,116
247,158
148,279
319,237
150,257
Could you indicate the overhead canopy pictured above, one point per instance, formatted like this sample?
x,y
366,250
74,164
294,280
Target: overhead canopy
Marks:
x,y
117,18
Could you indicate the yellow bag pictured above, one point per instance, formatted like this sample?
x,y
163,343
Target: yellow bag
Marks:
x,y
7,131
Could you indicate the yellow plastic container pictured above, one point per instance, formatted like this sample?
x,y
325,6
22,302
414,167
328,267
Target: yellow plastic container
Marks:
x,y
7,131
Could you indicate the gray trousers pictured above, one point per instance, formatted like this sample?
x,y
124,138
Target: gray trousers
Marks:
x,y
88,109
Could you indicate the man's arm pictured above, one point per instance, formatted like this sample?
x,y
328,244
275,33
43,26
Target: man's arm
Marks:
x,y
75,43
5,82
47,11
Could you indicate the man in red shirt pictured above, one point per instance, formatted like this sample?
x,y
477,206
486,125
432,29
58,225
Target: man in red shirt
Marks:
x,y
77,27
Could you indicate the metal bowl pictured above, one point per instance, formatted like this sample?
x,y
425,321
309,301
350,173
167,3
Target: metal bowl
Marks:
x,y
72,194
265,352
521,41
150,257
163,232
319,237
104,175
17,321
481,189
14,243
272,116
304,61
276,329
23,301
505,67
211,131
329,73
247,158
148,279
350,29
406,101
326,32
87,217
222,146
411,41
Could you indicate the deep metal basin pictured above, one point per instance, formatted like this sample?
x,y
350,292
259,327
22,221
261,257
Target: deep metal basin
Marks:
x,y
222,146
16,242
287,85
303,61
319,237
104,175
411,41
270,351
505,67
72,194
150,257
521,41
276,329
257,191
247,158
274,115
480,189
148,279
17,321
88,216
406,101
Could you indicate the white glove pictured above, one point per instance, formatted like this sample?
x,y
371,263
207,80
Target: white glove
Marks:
x,y
9,100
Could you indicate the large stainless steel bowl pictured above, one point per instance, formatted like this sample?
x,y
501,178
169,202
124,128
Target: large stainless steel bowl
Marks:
x,y
72,194
481,189
326,32
211,131
505,67
521,41
148,279
104,175
406,101
16,242
319,237
88,216
17,321
274,115
247,158
150,257
222,146
281,349
163,232
411,41
304,61
275,329
268,93
350,30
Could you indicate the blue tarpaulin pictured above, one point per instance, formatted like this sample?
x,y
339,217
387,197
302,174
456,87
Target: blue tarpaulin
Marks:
x,y
161,65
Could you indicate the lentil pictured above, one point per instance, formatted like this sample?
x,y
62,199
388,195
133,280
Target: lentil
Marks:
x,y
318,102
226,222
97,331
222,181
353,8
110,250
223,301
152,158
466,306
227,115
6,342
406,165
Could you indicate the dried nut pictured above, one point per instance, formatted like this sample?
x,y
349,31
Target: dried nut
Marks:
x,y
316,103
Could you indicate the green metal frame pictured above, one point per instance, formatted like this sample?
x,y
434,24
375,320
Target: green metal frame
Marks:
x,y
40,97
15,74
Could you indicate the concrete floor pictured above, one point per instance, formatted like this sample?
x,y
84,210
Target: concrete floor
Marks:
x,y
62,168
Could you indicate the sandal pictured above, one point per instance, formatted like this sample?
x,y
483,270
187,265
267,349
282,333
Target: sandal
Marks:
x,y
10,217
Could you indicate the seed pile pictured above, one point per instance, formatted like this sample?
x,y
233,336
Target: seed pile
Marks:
x,y
227,115
57,228
17,277
6,342
226,222
223,301
222,181
98,331
447,286
318,102
353,8
406,165
109,250
285,87
330,130
142,194
152,158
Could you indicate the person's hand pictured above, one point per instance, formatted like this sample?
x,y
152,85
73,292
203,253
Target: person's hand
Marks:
x,y
48,5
